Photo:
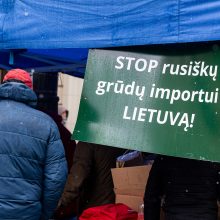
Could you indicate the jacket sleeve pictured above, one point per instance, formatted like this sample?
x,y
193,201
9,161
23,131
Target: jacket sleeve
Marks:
x,y
81,169
55,174
153,192
217,165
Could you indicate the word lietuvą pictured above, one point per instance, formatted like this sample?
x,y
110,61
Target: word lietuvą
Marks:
x,y
159,116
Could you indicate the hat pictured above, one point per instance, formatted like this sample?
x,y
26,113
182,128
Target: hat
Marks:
x,y
20,75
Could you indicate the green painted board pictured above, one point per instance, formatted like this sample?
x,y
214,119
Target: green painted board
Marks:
x,y
162,101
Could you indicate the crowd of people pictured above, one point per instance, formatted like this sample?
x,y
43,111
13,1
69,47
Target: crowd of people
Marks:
x,y
44,174
38,158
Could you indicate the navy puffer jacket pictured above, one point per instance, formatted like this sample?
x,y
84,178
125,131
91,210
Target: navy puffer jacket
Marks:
x,y
32,162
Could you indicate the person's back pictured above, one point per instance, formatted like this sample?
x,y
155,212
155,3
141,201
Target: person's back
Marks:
x,y
190,189
99,184
90,181
33,167
65,135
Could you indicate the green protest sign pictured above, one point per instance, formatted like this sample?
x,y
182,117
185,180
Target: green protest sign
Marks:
x,y
164,101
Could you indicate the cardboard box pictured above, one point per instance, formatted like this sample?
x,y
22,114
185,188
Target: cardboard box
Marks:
x,y
129,184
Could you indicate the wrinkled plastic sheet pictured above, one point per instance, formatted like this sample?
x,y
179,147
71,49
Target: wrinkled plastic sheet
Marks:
x,y
104,23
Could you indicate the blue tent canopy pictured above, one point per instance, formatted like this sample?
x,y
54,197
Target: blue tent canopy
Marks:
x,y
27,26
70,61
103,23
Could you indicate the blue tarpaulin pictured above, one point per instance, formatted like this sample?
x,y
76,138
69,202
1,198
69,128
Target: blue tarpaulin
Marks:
x,y
70,60
104,23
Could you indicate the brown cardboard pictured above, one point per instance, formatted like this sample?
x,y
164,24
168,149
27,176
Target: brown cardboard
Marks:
x,y
130,180
129,185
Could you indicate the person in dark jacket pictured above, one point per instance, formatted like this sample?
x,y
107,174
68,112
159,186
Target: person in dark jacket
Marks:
x,y
90,182
33,166
187,189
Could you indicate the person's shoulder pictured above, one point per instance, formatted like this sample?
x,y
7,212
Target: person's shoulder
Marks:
x,y
163,160
92,147
41,115
85,144
42,118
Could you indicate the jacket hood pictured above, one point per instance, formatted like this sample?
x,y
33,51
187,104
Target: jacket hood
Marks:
x,y
18,92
